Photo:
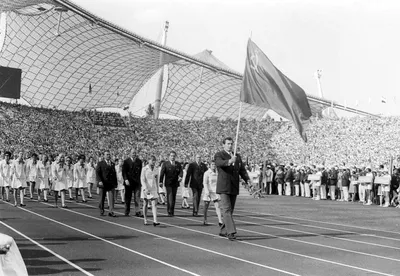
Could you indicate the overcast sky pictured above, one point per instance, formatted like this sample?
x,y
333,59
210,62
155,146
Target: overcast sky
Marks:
x,y
355,43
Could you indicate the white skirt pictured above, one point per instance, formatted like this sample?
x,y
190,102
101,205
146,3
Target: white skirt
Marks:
x,y
152,195
43,183
6,182
60,186
18,183
211,196
185,192
120,186
80,184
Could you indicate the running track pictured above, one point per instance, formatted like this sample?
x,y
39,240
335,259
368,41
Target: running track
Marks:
x,y
276,236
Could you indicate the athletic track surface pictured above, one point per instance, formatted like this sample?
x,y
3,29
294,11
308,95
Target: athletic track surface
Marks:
x,y
276,236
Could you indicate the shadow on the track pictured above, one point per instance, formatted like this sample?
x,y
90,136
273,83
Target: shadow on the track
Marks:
x,y
253,238
35,264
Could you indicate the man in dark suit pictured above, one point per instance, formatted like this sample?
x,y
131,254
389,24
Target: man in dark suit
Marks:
x,y
194,179
107,179
131,170
170,176
229,167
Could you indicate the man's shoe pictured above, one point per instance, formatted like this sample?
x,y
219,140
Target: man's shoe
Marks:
x,y
231,237
219,224
139,215
112,214
223,235
126,215
102,213
195,214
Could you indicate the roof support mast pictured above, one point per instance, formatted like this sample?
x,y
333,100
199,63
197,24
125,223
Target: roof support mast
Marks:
x,y
157,104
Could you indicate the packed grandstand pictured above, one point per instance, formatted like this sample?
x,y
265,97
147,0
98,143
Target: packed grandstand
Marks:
x,y
360,141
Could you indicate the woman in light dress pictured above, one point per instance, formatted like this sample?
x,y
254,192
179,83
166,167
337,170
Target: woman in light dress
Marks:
x,y
120,180
60,185
80,178
149,193
70,175
210,188
32,173
91,175
18,171
185,190
162,190
5,173
43,177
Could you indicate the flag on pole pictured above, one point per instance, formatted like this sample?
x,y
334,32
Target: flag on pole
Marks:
x,y
383,99
264,85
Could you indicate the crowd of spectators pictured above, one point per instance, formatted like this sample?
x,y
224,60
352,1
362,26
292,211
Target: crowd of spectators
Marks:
x,y
105,118
351,141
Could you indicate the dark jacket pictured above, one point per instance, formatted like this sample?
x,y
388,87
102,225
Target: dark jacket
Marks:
x,y
228,175
324,178
169,174
289,176
131,171
194,175
333,177
107,175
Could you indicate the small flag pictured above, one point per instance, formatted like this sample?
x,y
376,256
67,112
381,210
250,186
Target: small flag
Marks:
x,y
264,85
383,99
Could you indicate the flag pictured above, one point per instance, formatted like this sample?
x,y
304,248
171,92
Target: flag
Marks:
x,y
383,99
264,85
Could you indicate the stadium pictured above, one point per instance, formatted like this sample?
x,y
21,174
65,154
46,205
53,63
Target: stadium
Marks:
x,y
74,84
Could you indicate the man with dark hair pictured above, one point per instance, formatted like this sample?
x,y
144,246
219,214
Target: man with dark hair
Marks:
x,y
170,176
230,167
194,179
131,170
107,179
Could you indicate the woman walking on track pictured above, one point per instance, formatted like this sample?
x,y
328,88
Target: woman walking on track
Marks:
x,y
91,175
19,179
70,176
5,172
185,190
149,179
210,188
60,180
43,177
80,171
120,179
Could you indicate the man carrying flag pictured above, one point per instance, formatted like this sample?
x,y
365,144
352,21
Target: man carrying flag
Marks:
x,y
264,85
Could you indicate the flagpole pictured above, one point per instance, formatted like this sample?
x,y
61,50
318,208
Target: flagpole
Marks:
x,y
237,129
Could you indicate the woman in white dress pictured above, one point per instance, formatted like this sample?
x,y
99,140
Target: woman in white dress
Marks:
x,y
43,177
149,179
70,175
91,175
60,185
18,171
5,172
80,177
120,179
32,173
210,192
162,191
185,190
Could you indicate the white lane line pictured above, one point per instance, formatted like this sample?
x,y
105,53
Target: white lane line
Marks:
x,y
324,228
321,222
244,242
321,235
48,250
171,239
299,241
104,240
